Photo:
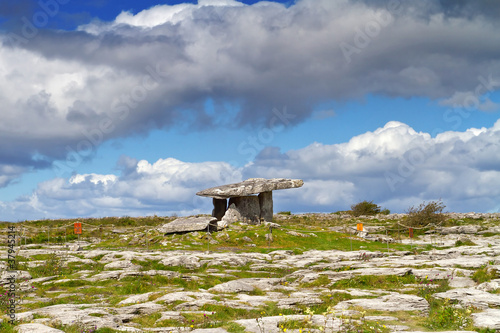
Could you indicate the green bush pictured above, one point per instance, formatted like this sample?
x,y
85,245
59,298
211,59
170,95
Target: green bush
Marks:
x,y
425,214
365,208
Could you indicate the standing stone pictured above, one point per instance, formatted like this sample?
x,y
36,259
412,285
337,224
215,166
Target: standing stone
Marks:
x,y
266,206
249,208
220,206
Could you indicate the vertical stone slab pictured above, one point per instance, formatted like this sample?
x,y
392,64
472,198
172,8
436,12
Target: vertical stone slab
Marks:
x,y
249,208
220,206
266,206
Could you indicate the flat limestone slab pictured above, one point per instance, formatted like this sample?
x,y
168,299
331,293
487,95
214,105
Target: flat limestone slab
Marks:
x,y
188,224
40,328
489,318
249,187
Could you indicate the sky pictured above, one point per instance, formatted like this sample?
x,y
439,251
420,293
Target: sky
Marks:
x,y
128,108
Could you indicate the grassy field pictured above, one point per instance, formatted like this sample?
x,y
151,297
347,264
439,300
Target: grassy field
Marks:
x,y
297,233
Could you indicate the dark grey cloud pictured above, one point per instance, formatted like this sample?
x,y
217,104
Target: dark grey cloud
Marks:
x,y
157,68
424,9
12,11
471,8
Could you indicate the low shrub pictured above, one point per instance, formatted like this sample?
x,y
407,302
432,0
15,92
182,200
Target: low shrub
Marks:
x,y
366,208
425,214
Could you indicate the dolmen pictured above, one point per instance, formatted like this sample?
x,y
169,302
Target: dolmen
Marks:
x,y
250,201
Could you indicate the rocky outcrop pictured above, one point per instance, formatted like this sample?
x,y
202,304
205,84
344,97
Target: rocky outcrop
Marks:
x,y
392,302
286,279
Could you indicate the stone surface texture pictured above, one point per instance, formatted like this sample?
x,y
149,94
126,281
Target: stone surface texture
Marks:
x,y
36,328
266,206
243,204
220,206
249,187
195,279
188,224
489,318
248,208
232,215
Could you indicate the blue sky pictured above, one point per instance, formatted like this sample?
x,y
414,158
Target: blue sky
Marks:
x,y
129,108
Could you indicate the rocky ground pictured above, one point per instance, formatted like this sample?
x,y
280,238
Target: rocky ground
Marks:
x,y
241,280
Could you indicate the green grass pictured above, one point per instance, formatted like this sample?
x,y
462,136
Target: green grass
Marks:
x,y
445,316
388,282
5,327
322,280
485,274
464,242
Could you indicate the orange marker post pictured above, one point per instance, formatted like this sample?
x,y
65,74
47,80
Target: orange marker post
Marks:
x,y
78,228
411,232
360,226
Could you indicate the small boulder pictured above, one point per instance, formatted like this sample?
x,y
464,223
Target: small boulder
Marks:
x,y
232,215
189,224
235,286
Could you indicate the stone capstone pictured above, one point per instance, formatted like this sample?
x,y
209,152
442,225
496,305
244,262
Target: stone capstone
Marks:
x,y
188,224
249,187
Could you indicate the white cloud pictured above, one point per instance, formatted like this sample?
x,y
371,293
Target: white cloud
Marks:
x,y
162,14
156,69
146,70
395,166
93,178
165,187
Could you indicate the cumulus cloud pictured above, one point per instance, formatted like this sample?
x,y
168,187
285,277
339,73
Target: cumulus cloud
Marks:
x,y
165,187
395,166
156,69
